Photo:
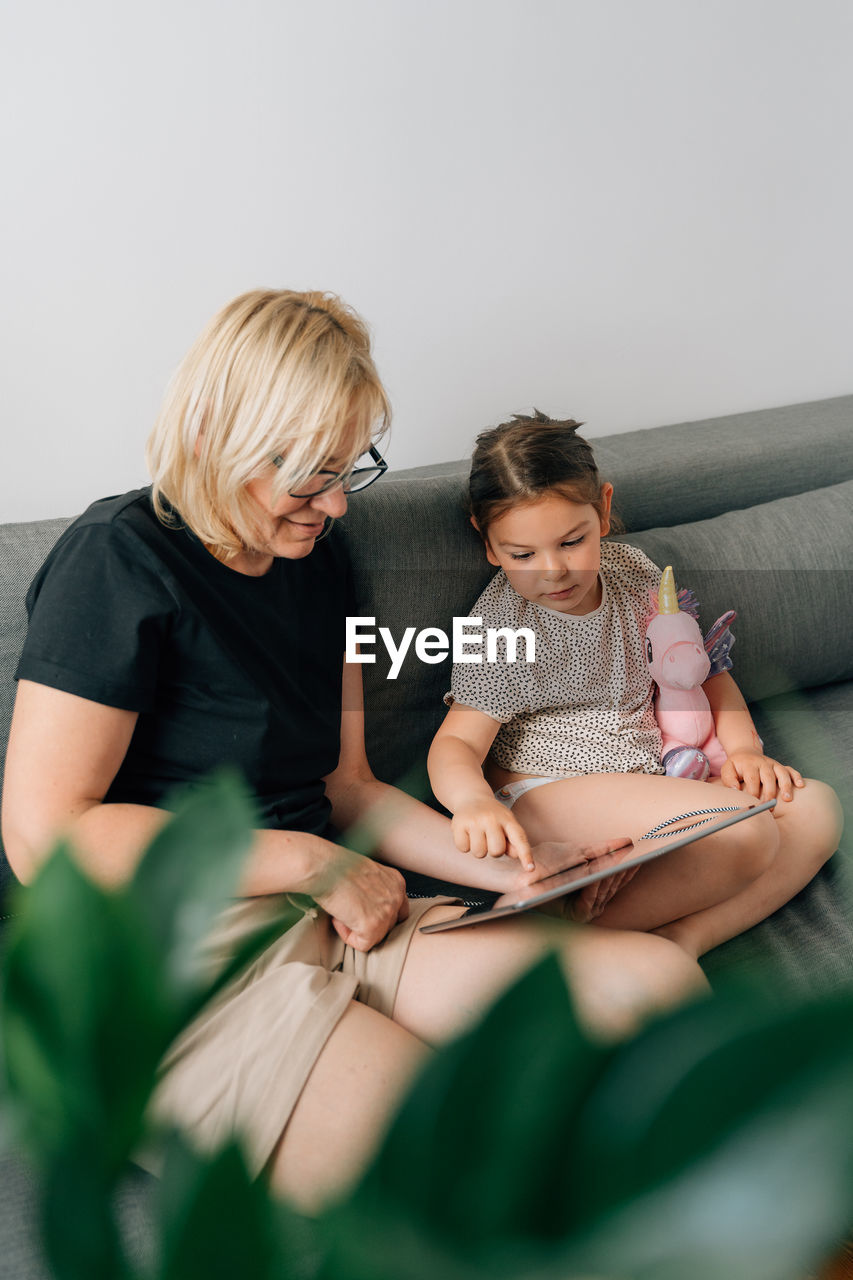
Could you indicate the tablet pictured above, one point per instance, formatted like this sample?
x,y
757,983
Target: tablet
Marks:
x,y
633,855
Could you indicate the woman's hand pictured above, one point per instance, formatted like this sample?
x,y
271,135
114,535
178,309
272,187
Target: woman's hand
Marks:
x,y
485,826
553,856
759,776
364,898
591,901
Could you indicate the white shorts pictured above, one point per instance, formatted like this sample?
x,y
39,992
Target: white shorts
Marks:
x,y
508,795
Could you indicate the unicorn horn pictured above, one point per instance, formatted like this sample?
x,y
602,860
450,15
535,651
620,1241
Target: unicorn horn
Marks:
x,y
667,598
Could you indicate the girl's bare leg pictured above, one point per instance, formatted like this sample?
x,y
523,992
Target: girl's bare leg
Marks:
x,y
690,879
809,829
711,890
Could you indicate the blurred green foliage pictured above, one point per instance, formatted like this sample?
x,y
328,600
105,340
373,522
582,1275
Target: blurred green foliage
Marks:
x,y
715,1144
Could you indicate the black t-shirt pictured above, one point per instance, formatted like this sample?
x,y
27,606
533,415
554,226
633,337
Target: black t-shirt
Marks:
x,y
223,668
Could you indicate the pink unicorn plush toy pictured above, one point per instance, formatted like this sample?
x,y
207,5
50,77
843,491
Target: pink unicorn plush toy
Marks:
x,y
680,661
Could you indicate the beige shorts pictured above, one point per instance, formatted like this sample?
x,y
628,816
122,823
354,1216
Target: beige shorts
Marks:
x,y
240,1066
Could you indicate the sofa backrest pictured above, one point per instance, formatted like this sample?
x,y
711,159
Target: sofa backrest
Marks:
x,y
695,470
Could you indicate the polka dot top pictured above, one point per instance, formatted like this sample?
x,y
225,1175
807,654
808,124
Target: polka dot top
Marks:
x,y
585,704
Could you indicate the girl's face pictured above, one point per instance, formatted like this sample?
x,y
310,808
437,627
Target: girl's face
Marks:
x,y
550,550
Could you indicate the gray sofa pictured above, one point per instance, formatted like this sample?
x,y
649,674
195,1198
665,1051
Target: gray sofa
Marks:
x,y
755,511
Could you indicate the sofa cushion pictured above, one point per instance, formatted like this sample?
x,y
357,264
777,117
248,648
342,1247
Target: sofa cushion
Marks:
x,y
786,567
808,944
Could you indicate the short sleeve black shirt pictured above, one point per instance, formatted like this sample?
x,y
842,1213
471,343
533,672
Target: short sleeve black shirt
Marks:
x,y
114,617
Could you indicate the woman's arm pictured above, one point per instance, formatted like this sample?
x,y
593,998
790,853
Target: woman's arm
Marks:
x,y
747,767
64,752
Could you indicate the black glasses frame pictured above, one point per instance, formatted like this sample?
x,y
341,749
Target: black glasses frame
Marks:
x,y
343,478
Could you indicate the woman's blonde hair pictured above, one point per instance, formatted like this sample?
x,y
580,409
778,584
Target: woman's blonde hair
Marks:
x,y
274,374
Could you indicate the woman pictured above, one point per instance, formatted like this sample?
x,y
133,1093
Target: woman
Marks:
x,y
201,622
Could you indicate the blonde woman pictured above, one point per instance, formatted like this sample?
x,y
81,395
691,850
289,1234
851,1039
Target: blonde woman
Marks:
x,y
201,622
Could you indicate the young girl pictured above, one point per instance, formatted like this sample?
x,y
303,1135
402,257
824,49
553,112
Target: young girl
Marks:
x,y
529,752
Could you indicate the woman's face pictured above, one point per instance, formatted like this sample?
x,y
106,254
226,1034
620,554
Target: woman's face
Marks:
x,y
550,550
288,526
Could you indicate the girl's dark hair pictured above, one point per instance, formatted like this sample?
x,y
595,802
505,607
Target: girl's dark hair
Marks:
x,y
523,459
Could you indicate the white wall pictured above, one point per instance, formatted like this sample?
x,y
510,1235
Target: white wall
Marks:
x,y
635,213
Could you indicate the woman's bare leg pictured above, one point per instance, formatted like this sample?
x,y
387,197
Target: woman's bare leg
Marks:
x,y
617,978
345,1107
809,829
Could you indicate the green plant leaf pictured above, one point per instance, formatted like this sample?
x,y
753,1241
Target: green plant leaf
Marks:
x,y
215,1221
301,1242
84,1015
769,1202
81,1240
190,872
675,1092
389,1245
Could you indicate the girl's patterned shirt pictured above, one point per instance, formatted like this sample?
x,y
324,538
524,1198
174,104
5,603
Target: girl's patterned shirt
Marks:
x,y
585,705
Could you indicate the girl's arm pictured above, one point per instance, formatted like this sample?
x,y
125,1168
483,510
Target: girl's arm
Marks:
x,y
480,824
747,767
409,833
64,752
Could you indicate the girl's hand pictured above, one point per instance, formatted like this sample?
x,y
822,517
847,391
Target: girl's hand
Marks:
x,y
759,775
553,856
364,898
487,827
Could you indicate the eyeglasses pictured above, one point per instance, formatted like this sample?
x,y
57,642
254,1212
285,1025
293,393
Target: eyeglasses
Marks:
x,y
350,481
